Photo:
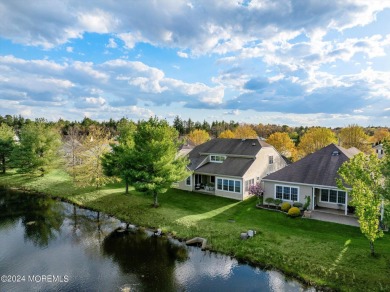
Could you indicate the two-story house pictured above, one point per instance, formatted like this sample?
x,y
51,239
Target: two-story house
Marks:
x,y
227,167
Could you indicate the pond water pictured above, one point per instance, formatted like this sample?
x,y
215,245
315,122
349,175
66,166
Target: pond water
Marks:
x,y
48,245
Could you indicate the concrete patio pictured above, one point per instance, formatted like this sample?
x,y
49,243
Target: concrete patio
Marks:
x,y
335,217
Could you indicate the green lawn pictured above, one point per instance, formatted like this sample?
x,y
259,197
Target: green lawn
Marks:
x,y
320,253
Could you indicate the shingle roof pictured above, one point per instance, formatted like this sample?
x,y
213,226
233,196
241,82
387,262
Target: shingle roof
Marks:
x,y
248,147
232,166
318,168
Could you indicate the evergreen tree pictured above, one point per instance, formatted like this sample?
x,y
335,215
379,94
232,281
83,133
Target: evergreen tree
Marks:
x,y
154,162
38,149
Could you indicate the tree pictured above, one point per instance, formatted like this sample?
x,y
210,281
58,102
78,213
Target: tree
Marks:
x,y
283,144
7,144
154,165
199,136
315,139
89,172
386,167
257,191
364,176
380,135
38,149
72,148
226,134
117,162
178,125
354,136
244,132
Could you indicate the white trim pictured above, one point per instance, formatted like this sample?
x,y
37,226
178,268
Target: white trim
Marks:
x,y
288,186
234,185
337,198
298,183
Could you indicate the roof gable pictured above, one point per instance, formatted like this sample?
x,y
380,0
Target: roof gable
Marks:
x,y
318,168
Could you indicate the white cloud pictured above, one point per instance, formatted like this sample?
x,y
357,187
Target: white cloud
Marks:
x,y
69,49
182,55
111,44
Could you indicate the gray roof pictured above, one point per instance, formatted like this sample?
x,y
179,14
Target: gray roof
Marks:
x,y
232,166
318,168
240,156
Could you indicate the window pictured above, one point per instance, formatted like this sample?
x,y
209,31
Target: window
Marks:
x,y
270,159
212,179
279,192
237,186
286,193
217,158
229,185
219,184
333,196
188,181
248,183
325,195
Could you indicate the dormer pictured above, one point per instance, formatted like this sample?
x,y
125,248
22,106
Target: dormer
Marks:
x,y
215,158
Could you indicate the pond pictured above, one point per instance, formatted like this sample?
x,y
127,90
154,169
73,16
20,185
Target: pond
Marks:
x,y
48,245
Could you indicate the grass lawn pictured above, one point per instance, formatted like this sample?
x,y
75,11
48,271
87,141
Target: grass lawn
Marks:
x,y
321,253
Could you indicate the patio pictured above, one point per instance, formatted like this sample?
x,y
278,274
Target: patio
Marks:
x,y
334,215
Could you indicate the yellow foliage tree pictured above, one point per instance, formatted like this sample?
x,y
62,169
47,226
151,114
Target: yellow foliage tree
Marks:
x,y
199,136
315,139
283,144
354,136
380,135
245,132
226,134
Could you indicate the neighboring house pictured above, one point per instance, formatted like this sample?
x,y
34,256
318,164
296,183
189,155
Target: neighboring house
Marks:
x,y
379,150
227,167
315,176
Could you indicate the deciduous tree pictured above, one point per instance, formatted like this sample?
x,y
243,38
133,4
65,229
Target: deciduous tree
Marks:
x,y
226,134
89,172
363,174
354,136
283,144
154,162
315,139
38,149
7,144
380,135
198,136
245,132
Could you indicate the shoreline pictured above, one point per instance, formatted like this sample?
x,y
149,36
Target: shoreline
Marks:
x,y
240,260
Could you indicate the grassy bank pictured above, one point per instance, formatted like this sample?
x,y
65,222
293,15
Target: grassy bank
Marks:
x,y
321,253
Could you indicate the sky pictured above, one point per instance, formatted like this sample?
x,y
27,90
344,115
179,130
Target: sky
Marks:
x,y
297,62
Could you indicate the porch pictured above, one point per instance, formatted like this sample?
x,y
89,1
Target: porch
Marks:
x,y
334,215
204,183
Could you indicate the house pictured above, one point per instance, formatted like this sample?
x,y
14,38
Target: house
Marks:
x,y
314,175
379,150
227,167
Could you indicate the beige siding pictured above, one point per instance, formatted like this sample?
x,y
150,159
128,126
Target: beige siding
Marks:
x,y
261,166
182,184
303,191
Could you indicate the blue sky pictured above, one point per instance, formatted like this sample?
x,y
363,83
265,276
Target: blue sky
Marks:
x,y
298,62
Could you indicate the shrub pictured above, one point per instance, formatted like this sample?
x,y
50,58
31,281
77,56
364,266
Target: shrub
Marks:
x,y
277,202
294,212
285,207
298,205
307,203
269,201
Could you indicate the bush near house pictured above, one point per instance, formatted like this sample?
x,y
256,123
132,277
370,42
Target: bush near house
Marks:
x,y
294,212
277,202
269,201
285,207
298,205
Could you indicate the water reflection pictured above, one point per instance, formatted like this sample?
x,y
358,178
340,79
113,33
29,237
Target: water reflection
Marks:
x,y
86,246
41,218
